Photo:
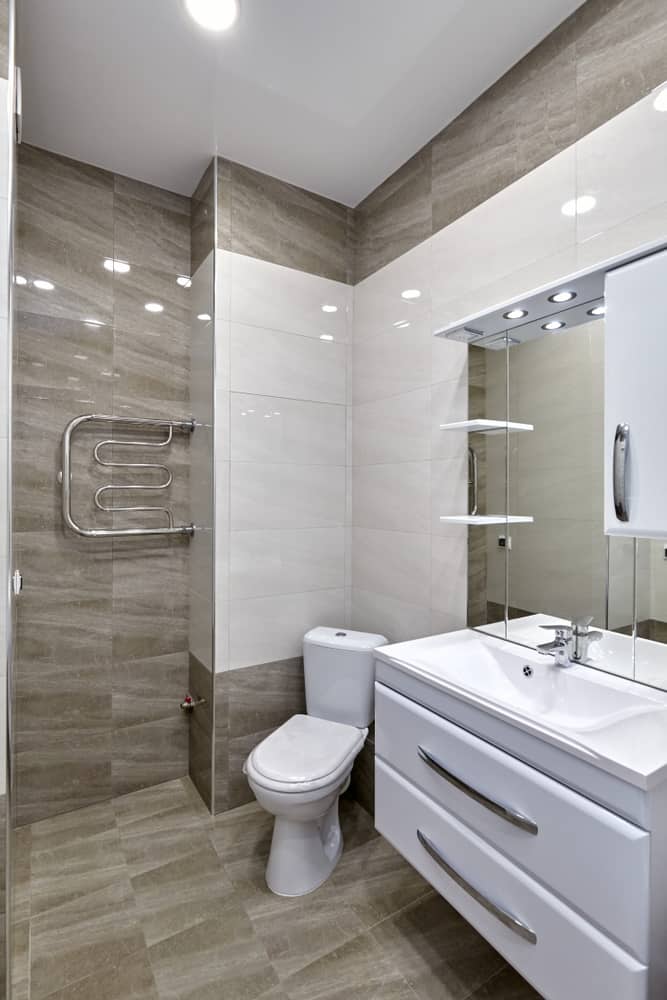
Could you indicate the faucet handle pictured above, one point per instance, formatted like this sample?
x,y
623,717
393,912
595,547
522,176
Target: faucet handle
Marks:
x,y
562,631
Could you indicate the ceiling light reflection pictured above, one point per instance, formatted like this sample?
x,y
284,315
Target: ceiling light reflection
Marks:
x,y
214,15
117,266
154,307
579,206
411,293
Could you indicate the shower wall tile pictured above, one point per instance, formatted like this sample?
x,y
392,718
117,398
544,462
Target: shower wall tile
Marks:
x,y
151,225
278,222
64,234
202,229
264,563
286,496
101,661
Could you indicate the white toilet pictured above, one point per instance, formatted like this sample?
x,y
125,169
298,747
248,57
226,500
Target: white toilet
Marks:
x,y
299,771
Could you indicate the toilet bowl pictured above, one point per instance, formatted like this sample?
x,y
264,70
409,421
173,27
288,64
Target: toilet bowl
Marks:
x,y
299,772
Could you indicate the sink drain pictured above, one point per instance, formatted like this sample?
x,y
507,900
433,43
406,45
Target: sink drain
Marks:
x,y
527,671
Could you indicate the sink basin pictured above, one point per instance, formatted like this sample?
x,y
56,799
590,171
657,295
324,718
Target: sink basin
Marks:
x,y
591,713
567,698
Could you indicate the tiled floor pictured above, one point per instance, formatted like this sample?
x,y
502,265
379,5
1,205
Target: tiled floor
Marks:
x,y
149,898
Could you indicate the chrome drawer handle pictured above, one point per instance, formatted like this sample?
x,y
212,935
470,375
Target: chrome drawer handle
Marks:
x,y
621,442
511,815
506,918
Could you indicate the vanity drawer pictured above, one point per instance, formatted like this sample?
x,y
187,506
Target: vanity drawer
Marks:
x,y
560,953
580,850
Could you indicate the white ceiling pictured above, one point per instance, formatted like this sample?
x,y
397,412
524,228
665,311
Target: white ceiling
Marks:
x,y
332,95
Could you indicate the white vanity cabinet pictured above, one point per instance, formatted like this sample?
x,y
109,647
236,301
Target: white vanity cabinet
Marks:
x,y
572,893
636,398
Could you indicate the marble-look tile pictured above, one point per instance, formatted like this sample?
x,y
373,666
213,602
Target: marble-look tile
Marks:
x,y
221,744
506,985
375,881
131,979
395,217
151,224
200,760
176,896
149,689
414,938
362,783
148,804
265,696
269,362
216,957
94,933
149,753
150,586
523,120
202,226
224,204
64,234
284,224
73,855
20,959
243,834
620,57
358,968
166,330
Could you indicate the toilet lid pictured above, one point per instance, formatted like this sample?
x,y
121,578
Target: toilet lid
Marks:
x,y
306,749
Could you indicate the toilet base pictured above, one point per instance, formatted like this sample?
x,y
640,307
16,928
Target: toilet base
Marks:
x,y
304,853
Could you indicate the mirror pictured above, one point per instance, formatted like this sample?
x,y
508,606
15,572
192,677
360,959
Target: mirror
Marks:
x,y
538,555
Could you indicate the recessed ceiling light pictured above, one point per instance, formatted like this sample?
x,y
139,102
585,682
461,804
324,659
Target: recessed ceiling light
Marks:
x,y
563,297
214,15
117,266
553,324
20,280
660,102
329,309
597,310
411,293
204,317
154,307
43,285
326,336
579,206
401,324
184,281
515,314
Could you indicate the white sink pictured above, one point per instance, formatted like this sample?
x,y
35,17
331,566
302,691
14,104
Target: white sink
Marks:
x,y
594,714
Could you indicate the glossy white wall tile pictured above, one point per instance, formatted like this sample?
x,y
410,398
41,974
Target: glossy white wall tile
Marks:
x,y
265,629
280,298
392,497
278,430
393,563
286,496
274,363
265,563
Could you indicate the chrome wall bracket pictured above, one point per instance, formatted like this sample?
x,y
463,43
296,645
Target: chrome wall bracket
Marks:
x,y
102,495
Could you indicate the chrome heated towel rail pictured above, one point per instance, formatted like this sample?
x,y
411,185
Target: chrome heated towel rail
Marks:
x,y
100,498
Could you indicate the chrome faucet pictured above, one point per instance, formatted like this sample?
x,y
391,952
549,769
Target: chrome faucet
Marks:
x,y
571,643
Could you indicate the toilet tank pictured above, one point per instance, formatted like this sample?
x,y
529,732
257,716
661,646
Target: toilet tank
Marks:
x,y
339,671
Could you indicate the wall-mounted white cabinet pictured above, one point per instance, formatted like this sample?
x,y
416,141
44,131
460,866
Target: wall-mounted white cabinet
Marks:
x,y
636,398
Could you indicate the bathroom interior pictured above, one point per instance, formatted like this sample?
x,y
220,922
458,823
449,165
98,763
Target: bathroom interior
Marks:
x,y
331,504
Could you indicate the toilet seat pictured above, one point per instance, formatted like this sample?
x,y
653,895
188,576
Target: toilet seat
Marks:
x,y
304,754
